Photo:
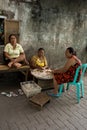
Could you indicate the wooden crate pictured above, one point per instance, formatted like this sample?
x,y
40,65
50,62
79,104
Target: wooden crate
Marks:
x,y
40,100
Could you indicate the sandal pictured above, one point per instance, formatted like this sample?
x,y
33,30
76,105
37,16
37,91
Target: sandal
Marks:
x,y
54,95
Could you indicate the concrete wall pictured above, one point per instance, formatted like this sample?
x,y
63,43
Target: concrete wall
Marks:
x,y
57,25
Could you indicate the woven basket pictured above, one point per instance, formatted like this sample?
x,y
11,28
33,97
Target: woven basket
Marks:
x,y
30,88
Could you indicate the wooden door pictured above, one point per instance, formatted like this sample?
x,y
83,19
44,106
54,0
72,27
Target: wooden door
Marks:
x,y
11,27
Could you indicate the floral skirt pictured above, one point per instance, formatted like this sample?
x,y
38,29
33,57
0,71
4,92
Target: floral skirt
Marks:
x,y
68,76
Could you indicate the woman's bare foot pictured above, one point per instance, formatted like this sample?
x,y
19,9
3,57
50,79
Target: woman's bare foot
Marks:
x,y
55,91
10,64
17,65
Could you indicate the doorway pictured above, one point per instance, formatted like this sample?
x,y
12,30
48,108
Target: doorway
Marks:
x,y
1,31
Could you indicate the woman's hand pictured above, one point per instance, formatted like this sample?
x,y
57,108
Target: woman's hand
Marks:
x,y
55,71
12,60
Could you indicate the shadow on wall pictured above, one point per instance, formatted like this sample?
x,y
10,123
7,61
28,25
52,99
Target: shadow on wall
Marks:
x,y
30,52
36,9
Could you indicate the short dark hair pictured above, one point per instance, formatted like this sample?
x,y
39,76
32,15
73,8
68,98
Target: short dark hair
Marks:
x,y
72,51
40,49
10,36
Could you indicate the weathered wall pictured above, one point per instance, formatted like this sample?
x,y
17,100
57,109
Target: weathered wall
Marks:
x,y
58,25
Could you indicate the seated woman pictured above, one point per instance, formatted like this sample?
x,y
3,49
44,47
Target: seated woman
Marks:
x,y
39,61
14,53
66,73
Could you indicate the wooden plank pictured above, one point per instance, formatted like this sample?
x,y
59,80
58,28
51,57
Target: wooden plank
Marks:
x,y
24,70
5,67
